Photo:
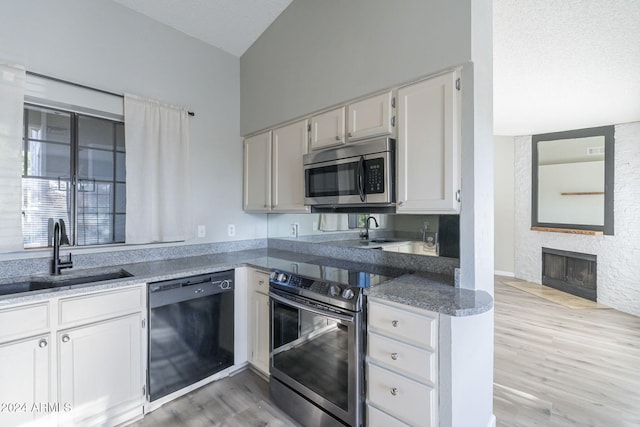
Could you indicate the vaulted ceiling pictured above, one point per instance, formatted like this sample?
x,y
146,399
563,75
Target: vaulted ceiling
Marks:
x,y
558,64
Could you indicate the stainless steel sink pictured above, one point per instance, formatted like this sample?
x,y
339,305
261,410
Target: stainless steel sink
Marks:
x,y
51,283
382,241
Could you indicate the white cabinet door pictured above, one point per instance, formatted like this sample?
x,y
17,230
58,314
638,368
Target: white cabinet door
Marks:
x,y
259,320
327,129
428,148
257,173
290,143
25,382
370,117
100,369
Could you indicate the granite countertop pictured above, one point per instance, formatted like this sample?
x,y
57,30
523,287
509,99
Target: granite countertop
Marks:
x,y
421,290
431,292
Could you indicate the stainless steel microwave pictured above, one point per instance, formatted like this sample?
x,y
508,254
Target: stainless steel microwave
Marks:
x,y
359,174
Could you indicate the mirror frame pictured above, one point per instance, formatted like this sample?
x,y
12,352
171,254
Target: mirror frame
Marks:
x,y
609,166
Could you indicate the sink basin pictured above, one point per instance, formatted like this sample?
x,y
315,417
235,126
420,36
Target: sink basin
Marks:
x,y
50,283
120,274
383,240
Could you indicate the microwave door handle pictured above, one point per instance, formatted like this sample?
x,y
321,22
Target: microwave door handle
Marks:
x,y
361,169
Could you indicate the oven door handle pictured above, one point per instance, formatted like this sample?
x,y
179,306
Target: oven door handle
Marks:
x,y
331,315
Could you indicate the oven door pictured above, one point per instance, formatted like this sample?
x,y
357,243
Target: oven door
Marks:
x,y
351,181
317,354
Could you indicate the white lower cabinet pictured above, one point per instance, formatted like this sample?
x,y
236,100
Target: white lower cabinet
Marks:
x,y
25,381
258,332
75,360
100,369
402,365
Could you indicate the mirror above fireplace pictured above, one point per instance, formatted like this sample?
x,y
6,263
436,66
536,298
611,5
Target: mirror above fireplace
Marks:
x,y
572,181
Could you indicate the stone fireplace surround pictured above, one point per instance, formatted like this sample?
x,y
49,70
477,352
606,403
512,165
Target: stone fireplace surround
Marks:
x,y
618,255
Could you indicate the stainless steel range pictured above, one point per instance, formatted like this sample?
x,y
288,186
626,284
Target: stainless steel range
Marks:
x,y
318,343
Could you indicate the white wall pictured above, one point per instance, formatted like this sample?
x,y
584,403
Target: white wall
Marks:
x,y
321,53
504,205
618,255
102,44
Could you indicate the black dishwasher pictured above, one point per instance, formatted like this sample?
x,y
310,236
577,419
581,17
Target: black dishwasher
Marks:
x,y
190,330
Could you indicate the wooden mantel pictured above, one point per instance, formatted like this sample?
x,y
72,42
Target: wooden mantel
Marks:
x,y
568,231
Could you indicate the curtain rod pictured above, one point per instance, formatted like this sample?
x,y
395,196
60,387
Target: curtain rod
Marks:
x,y
106,92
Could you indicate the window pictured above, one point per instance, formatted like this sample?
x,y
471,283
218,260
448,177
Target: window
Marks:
x,y
74,170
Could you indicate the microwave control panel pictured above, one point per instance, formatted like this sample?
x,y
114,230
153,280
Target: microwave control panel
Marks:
x,y
374,176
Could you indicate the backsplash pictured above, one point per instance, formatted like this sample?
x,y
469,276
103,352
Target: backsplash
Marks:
x,y
31,266
432,264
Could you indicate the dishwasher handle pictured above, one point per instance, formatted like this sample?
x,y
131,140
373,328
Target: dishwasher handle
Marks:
x,y
174,295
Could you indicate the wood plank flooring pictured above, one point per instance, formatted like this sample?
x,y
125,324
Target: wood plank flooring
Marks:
x,y
562,366
554,366
241,400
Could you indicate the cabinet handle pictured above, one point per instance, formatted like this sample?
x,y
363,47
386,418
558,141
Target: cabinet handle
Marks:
x,y
400,203
394,356
337,138
395,323
458,196
65,338
260,282
43,343
350,134
394,391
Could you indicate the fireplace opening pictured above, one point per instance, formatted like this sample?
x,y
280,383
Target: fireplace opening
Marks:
x,y
571,272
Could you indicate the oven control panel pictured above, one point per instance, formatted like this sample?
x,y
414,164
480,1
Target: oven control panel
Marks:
x,y
332,290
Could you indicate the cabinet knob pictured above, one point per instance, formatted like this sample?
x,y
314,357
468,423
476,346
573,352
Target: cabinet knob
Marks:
x,y
260,282
400,203
65,338
350,134
394,356
337,138
394,391
395,323
43,343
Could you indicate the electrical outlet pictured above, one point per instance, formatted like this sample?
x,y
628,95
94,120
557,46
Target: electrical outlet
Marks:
x,y
201,231
294,230
231,230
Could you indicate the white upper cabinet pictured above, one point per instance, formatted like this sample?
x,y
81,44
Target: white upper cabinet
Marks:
x,y
428,147
257,173
327,129
371,117
290,143
273,172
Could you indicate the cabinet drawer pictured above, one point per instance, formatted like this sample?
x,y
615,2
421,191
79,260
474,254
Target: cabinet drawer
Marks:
x,y
415,362
103,305
408,400
418,329
23,321
377,418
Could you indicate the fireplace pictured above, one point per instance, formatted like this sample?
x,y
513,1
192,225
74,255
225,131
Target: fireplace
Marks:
x,y
571,272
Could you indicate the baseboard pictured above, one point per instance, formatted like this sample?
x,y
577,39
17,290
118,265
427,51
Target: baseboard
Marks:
x,y
504,273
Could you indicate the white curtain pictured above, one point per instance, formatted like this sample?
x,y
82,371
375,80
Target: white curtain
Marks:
x,y
157,161
11,125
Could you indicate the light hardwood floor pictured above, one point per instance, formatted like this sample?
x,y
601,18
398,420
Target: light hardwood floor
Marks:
x,y
561,366
554,366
